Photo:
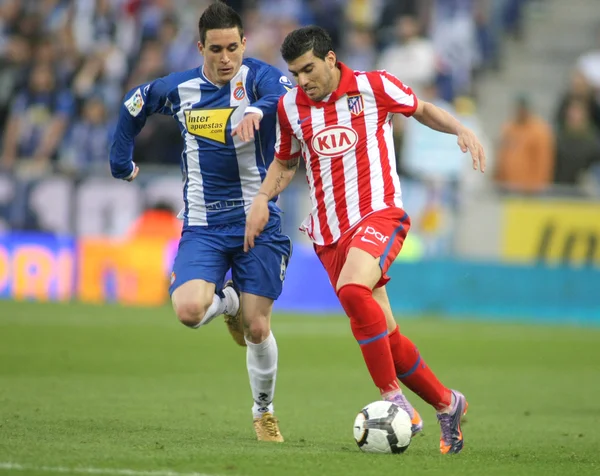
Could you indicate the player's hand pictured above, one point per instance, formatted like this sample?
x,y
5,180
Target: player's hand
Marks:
x,y
256,220
136,171
468,141
245,129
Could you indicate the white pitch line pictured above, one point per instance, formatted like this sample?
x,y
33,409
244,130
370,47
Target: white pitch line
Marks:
x,y
79,470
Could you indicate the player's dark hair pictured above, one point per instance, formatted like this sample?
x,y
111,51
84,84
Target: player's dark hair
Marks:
x,y
305,39
219,16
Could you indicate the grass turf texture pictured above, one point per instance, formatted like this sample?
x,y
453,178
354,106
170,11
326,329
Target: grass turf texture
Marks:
x,y
110,387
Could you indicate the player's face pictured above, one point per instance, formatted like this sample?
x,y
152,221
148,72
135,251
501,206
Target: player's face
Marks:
x,y
223,52
317,77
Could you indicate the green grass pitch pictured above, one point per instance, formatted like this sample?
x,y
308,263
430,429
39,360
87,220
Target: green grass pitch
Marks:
x,y
112,390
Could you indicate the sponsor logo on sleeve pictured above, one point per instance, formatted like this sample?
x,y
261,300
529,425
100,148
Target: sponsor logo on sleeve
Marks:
x,y
287,84
135,103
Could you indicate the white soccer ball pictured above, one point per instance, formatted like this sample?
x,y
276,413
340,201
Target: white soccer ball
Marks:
x,y
382,427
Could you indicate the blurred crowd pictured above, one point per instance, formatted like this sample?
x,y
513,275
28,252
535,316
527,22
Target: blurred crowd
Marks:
x,y
66,64
558,155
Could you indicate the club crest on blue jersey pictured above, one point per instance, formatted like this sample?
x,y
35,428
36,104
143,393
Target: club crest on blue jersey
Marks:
x,y
356,104
239,93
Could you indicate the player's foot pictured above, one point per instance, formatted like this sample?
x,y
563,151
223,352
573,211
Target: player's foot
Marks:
x,y
233,318
267,428
415,419
452,438
416,423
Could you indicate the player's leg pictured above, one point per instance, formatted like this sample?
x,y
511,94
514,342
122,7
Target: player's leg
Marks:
x,y
411,369
354,286
261,361
416,375
381,297
198,268
259,274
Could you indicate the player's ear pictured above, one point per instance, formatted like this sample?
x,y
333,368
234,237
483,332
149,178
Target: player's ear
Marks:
x,y
243,44
331,59
201,48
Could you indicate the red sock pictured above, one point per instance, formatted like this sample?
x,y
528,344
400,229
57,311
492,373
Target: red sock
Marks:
x,y
370,330
413,372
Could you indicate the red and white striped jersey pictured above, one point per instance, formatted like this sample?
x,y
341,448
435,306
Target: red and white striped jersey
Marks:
x,y
346,141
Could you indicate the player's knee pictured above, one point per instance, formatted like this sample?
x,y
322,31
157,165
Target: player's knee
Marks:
x,y
257,329
191,313
351,297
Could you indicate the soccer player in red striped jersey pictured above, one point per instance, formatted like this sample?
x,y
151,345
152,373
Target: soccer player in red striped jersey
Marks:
x,y
339,120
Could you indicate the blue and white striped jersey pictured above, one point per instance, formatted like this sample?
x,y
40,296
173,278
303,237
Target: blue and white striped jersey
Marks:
x,y
222,174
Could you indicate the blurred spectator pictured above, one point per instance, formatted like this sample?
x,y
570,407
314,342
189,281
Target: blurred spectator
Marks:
x,y
410,57
489,19
88,140
358,49
580,90
589,64
427,154
151,64
13,71
98,49
453,32
526,152
391,10
577,146
327,14
38,119
363,13
180,52
158,222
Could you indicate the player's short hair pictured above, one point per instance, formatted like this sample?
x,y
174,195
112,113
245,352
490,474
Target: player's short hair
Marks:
x,y
305,39
219,16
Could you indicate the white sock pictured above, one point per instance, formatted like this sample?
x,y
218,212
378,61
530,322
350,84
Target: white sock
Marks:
x,y
232,301
216,309
261,360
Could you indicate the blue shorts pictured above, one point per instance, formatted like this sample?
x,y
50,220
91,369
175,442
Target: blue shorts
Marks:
x,y
209,252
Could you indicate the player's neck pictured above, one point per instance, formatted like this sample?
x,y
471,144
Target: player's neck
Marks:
x,y
337,78
214,82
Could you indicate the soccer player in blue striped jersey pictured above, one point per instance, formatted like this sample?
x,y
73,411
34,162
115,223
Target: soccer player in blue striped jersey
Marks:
x,y
226,111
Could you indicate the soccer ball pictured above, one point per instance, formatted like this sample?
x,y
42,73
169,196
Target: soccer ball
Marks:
x,y
382,427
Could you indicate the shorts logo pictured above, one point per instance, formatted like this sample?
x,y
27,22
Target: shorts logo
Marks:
x,y
356,104
239,93
334,141
135,103
173,277
363,238
373,233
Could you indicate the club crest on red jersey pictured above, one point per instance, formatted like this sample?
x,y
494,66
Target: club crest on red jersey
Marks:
x,y
356,104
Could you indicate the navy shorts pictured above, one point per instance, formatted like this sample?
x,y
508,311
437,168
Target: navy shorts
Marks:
x,y
209,252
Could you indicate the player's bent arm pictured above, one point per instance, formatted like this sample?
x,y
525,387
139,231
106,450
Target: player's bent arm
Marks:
x,y
279,175
139,103
439,120
436,118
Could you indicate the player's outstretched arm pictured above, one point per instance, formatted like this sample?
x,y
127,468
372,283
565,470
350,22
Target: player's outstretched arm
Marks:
x,y
437,119
138,104
278,177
